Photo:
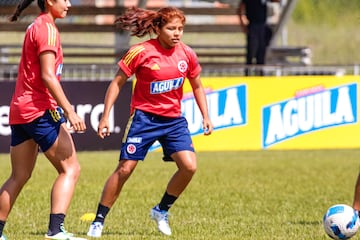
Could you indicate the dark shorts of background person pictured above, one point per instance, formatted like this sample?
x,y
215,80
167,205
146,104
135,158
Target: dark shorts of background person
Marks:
x,y
44,130
145,128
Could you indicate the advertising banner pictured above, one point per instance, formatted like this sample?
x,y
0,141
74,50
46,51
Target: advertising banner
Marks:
x,y
248,113
87,99
300,112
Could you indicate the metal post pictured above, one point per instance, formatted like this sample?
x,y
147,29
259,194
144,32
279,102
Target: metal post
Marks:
x,y
356,70
287,9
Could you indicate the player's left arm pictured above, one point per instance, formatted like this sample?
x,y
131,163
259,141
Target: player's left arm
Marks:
x,y
200,99
47,62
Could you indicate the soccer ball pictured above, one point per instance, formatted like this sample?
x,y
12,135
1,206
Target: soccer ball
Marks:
x,y
341,221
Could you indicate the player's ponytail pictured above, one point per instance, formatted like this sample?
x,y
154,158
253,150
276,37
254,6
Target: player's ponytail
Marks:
x,y
142,21
24,4
137,20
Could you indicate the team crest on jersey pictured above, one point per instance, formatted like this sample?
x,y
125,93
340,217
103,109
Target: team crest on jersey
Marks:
x,y
182,66
131,148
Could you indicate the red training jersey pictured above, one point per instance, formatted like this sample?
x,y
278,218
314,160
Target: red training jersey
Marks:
x,y
31,97
160,74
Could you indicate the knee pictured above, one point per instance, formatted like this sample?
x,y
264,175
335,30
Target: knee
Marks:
x,y
190,169
73,171
186,163
77,170
124,171
21,178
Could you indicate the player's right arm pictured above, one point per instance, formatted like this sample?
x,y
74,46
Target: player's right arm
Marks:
x,y
111,95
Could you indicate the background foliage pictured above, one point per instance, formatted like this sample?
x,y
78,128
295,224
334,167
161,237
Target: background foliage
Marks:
x,y
329,27
328,12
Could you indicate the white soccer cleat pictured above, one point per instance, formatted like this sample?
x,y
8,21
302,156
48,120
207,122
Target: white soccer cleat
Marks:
x,y
63,236
95,229
3,237
161,218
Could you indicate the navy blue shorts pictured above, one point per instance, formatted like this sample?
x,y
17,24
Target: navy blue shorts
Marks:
x,y
143,129
44,130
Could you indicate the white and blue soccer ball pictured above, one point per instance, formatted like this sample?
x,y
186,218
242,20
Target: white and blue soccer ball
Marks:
x,y
341,221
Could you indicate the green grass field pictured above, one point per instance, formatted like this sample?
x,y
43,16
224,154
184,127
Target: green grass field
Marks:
x,y
258,195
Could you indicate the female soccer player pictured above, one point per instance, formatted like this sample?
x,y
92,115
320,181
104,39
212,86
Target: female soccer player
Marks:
x,y
161,66
37,120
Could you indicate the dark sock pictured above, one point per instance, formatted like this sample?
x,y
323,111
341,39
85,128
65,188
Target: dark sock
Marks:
x,y
167,201
2,225
55,223
101,213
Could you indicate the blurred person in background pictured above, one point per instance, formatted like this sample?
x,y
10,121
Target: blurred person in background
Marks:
x,y
161,66
253,21
37,119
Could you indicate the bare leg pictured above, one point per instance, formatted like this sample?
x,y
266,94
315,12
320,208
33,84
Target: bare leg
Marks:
x,y
63,157
110,193
23,158
186,163
116,181
356,203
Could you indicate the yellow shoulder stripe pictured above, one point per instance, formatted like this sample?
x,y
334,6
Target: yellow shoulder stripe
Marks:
x,y
133,52
51,34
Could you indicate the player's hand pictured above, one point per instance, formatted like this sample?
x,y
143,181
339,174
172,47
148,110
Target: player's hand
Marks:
x,y
244,23
77,124
207,127
103,128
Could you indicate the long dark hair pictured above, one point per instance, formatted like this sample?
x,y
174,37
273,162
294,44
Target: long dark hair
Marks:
x,y
24,4
142,21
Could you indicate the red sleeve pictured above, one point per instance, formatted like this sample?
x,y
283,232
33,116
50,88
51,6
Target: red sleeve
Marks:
x,y
194,66
46,37
131,60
